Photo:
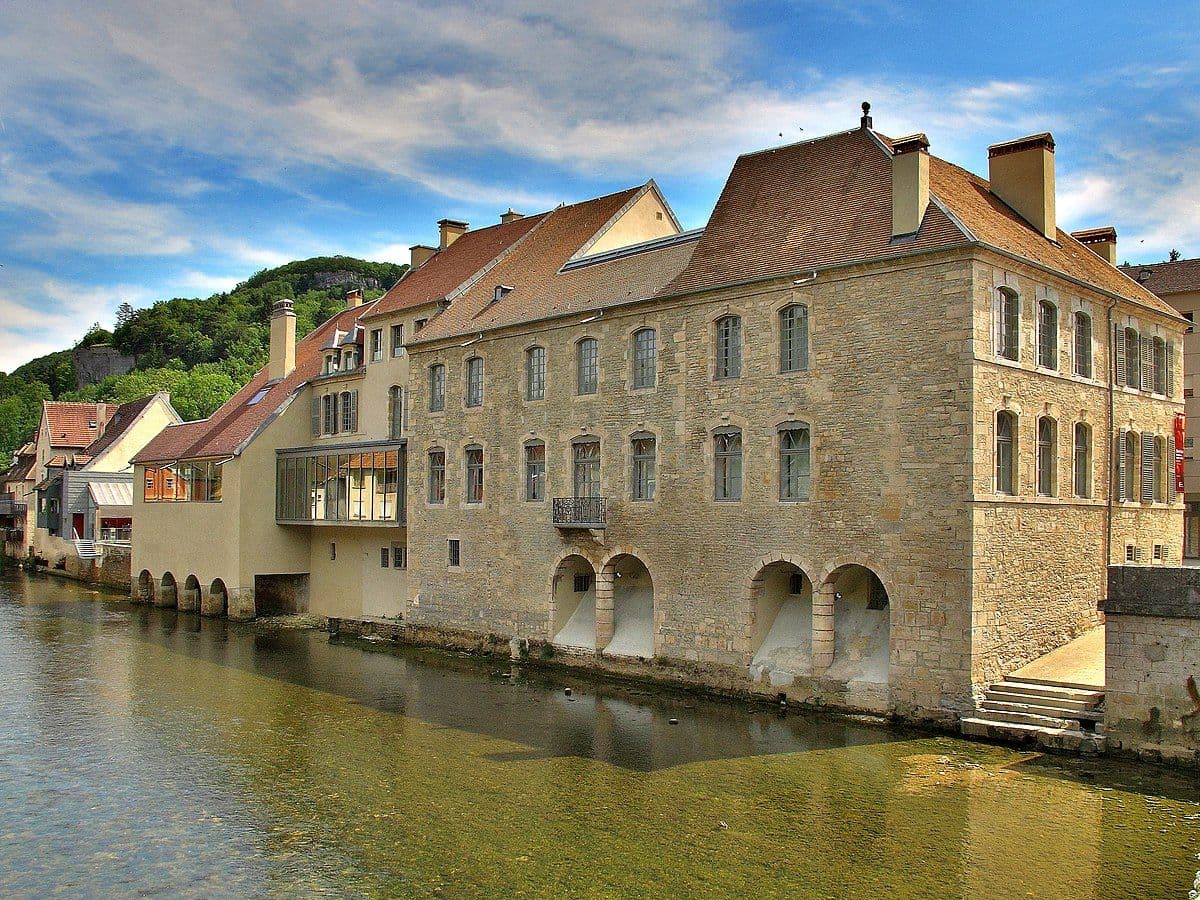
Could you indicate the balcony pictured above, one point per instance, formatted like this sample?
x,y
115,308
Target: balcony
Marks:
x,y
580,512
11,507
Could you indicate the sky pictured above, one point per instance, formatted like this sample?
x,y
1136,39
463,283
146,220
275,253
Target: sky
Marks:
x,y
160,149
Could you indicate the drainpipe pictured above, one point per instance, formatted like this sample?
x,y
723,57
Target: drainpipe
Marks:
x,y
1109,434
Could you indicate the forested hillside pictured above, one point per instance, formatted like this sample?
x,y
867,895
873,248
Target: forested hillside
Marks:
x,y
201,350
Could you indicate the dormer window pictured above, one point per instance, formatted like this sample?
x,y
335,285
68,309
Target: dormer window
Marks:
x,y
500,291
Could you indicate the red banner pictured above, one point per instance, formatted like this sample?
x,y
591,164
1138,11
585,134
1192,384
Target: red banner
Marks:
x,y
1180,432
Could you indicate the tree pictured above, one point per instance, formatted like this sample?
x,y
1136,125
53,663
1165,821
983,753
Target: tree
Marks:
x,y
1174,256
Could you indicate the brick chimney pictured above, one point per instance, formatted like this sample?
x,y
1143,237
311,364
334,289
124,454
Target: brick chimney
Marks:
x,y
354,298
1101,241
910,183
1022,175
419,254
511,216
449,231
283,340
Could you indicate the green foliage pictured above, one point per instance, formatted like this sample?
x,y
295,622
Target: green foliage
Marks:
x,y
200,350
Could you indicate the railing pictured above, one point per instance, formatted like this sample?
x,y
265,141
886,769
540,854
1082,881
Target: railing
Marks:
x,y
580,512
116,535
11,507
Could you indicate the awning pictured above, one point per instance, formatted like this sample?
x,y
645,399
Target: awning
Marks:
x,y
111,493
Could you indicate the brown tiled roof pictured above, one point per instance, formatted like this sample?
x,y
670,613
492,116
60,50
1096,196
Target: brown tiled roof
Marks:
x,y
59,460
120,422
828,201
226,430
449,269
533,269
1179,277
69,422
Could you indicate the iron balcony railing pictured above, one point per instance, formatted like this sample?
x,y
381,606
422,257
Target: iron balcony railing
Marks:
x,y
580,512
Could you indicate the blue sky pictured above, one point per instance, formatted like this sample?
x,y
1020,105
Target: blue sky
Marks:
x,y
158,149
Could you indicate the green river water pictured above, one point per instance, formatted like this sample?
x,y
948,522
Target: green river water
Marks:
x,y
149,752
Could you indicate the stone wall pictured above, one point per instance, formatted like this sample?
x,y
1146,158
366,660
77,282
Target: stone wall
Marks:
x,y
99,361
1152,663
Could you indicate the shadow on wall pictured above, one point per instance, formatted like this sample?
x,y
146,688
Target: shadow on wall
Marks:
x,y
280,594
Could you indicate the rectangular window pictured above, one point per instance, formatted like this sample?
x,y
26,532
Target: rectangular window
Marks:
x,y
385,557
793,338
437,476
589,366
645,358
1008,324
1190,316
1083,461
453,552
587,468
474,467
795,462
332,550
1047,335
535,471
728,459
644,465
729,347
399,556
437,388
349,411
397,340
474,395
329,414
1047,457
377,345
535,373
1083,345
582,584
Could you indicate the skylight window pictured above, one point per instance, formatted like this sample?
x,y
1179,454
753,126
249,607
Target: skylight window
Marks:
x,y
262,393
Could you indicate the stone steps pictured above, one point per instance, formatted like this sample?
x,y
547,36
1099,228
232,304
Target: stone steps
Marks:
x,y
994,704
1070,739
1053,714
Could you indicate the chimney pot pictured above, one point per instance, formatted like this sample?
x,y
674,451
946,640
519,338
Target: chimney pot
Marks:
x,y
1021,173
283,340
910,184
1101,241
511,216
449,231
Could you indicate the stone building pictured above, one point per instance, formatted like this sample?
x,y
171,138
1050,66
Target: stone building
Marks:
x,y
870,437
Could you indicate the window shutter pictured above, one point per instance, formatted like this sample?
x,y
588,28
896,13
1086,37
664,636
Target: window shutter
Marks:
x,y
1147,467
1122,479
1169,357
1119,354
333,408
354,410
1146,345
316,416
997,325
1169,462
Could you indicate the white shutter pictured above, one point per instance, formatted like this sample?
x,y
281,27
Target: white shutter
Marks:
x,y
1147,467
1118,354
1122,480
1146,345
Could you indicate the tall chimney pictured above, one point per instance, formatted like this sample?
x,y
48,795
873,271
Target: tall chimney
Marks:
x,y
449,231
910,183
1101,241
354,298
1022,175
511,216
419,254
283,340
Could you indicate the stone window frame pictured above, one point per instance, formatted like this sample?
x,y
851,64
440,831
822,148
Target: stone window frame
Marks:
x,y
580,440
1088,488
1081,321
1014,443
469,393
534,441
1046,469
595,369
792,424
1128,476
725,350
454,553
437,387
643,328
641,434
397,330
397,412
718,455
780,311
1047,334
1162,369
527,375
1003,350
430,453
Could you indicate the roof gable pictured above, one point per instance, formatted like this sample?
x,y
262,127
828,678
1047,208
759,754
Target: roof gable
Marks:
x,y
75,425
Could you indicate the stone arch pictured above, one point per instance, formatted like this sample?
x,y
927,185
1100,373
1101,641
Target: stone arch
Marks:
x,y
573,602
779,616
189,600
852,623
168,591
625,598
145,591
216,601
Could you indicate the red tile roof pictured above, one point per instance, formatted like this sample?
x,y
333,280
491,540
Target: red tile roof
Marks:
x,y
450,269
124,417
1179,277
226,431
75,424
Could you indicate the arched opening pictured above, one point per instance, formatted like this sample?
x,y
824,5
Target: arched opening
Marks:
x,y
218,599
573,595
781,619
633,608
190,601
145,587
168,594
861,626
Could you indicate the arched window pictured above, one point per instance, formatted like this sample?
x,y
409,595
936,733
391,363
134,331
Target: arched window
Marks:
x,y
1133,367
1083,345
1160,470
397,412
535,373
1007,315
645,358
586,467
587,353
535,470
729,347
473,463
727,459
437,475
795,461
1006,445
1083,460
474,393
437,387
1047,457
1128,470
793,338
643,451
1160,366
1047,335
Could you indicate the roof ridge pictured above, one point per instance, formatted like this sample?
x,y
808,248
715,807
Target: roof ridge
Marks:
x,y
806,141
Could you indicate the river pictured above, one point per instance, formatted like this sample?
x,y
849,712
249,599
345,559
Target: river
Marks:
x,y
146,751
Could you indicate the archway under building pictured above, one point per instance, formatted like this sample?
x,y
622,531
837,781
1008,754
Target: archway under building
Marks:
x,y
280,594
145,587
573,604
217,602
781,609
861,626
168,591
189,601
632,607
